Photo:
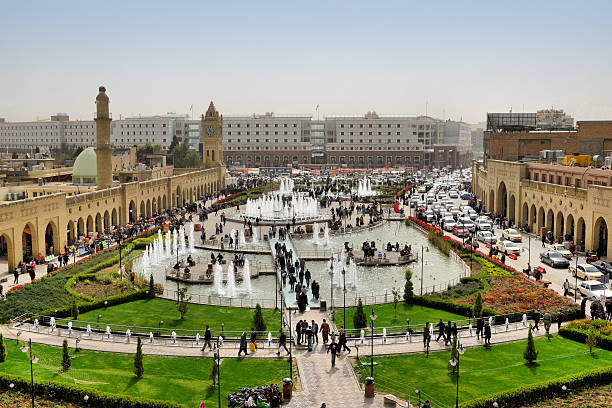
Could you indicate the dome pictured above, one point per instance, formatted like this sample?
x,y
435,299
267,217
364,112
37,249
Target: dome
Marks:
x,y
85,168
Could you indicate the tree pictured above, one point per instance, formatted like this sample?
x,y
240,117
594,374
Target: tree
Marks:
x,y
138,365
183,301
258,321
175,142
396,299
454,356
148,148
75,310
359,318
477,309
530,354
215,369
184,157
65,356
591,340
408,287
2,349
151,287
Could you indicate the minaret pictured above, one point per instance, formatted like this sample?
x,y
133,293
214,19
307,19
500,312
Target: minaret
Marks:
x,y
104,151
212,138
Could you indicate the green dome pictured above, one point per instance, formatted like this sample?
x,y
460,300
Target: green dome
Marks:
x,y
85,168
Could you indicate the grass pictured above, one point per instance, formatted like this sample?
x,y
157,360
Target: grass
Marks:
x,y
385,315
482,371
183,380
148,312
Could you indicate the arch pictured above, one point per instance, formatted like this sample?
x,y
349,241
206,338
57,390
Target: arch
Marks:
x,y
80,228
559,225
501,206
525,215
70,231
550,222
142,209
512,210
580,234
163,201
99,223
491,206
132,212
29,242
533,218
154,209
569,227
540,219
178,196
600,237
148,208
7,252
90,225
51,239
107,220
114,216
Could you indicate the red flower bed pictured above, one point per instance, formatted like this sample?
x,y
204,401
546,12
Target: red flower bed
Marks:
x,y
516,294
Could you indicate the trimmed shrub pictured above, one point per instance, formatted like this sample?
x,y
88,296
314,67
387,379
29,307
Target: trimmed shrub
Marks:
x,y
530,354
75,310
408,287
359,318
151,287
477,310
65,356
579,335
138,365
3,352
258,320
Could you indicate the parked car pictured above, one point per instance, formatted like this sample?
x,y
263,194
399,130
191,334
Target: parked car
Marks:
x,y
593,289
586,272
512,235
508,247
604,267
460,231
554,259
486,237
560,248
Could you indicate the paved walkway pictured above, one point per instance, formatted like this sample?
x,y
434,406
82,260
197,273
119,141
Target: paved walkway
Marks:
x,y
337,386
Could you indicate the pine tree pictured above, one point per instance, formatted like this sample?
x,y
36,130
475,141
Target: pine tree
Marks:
x,y
258,321
183,301
359,318
530,354
408,287
215,370
138,366
75,310
477,309
591,340
396,299
151,287
65,356
2,349
454,356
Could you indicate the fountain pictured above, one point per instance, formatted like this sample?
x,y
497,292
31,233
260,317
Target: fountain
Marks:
x,y
88,330
242,241
173,337
326,234
315,233
191,238
168,251
272,208
362,337
352,275
230,288
108,332
254,239
69,328
150,337
364,188
269,339
197,339
128,334
246,278
182,238
52,324
286,186
384,339
218,279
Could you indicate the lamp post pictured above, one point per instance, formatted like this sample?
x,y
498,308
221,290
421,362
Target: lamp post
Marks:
x,y
529,253
119,239
418,392
455,363
290,345
372,317
276,291
344,296
331,287
159,325
576,276
33,360
422,265
218,371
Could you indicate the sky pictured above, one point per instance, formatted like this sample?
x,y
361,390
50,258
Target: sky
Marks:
x,y
451,59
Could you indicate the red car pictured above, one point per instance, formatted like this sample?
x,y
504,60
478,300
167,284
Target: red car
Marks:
x,y
460,231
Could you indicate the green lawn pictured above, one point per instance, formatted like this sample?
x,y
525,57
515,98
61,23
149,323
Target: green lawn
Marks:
x,y
179,379
385,316
148,312
483,371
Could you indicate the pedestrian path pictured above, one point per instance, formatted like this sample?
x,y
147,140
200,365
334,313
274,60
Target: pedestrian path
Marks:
x,y
288,294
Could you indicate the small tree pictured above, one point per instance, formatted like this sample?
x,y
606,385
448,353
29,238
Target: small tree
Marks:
x,y
215,369
138,365
359,318
183,302
477,309
65,356
408,287
454,356
591,340
151,287
258,320
75,310
396,299
530,354
2,349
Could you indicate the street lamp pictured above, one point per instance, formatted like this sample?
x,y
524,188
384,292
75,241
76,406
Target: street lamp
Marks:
x,y
218,371
33,360
372,317
455,363
290,345
423,264
344,295
119,240
331,287
576,276
418,392
159,325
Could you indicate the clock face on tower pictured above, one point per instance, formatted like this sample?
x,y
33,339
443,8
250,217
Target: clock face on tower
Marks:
x,y
210,130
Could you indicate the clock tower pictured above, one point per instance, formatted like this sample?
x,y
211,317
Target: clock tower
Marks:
x,y
212,138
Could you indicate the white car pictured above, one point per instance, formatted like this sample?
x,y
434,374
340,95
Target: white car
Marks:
x,y
482,224
508,247
453,194
512,234
593,289
448,223
586,272
486,237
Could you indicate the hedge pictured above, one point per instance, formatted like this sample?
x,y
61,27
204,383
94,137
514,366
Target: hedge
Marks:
x,y
544,390
76,395
463,309
66,311
603,342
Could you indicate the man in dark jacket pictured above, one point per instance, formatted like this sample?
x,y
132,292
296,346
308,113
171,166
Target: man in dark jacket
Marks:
x,y
333,347
487,334
298,331
342,341
254,338
449,333
536,319
243,345
282,342
441,330
479,328
207,338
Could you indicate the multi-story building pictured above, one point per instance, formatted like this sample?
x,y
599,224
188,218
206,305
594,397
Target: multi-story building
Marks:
x,y
553,119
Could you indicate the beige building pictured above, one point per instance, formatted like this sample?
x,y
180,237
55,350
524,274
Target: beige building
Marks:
x,y
582,213
44,224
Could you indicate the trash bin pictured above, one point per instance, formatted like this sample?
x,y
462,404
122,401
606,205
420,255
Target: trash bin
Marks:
x,y
323,305
369,387
287,388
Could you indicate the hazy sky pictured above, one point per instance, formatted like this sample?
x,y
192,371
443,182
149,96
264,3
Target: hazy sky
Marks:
x,y
464,57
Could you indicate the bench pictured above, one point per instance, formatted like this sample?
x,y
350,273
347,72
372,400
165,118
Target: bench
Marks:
x,y
392,399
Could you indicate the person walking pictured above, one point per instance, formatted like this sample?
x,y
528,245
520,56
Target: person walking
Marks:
x,y
207,338
342,341
309,337
487,334
315,331
441,331
253,339
16,275
565,287
449,333
426,335
333,347
547,322
298,332
479,328
536,319
324,331
282,342
243,345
